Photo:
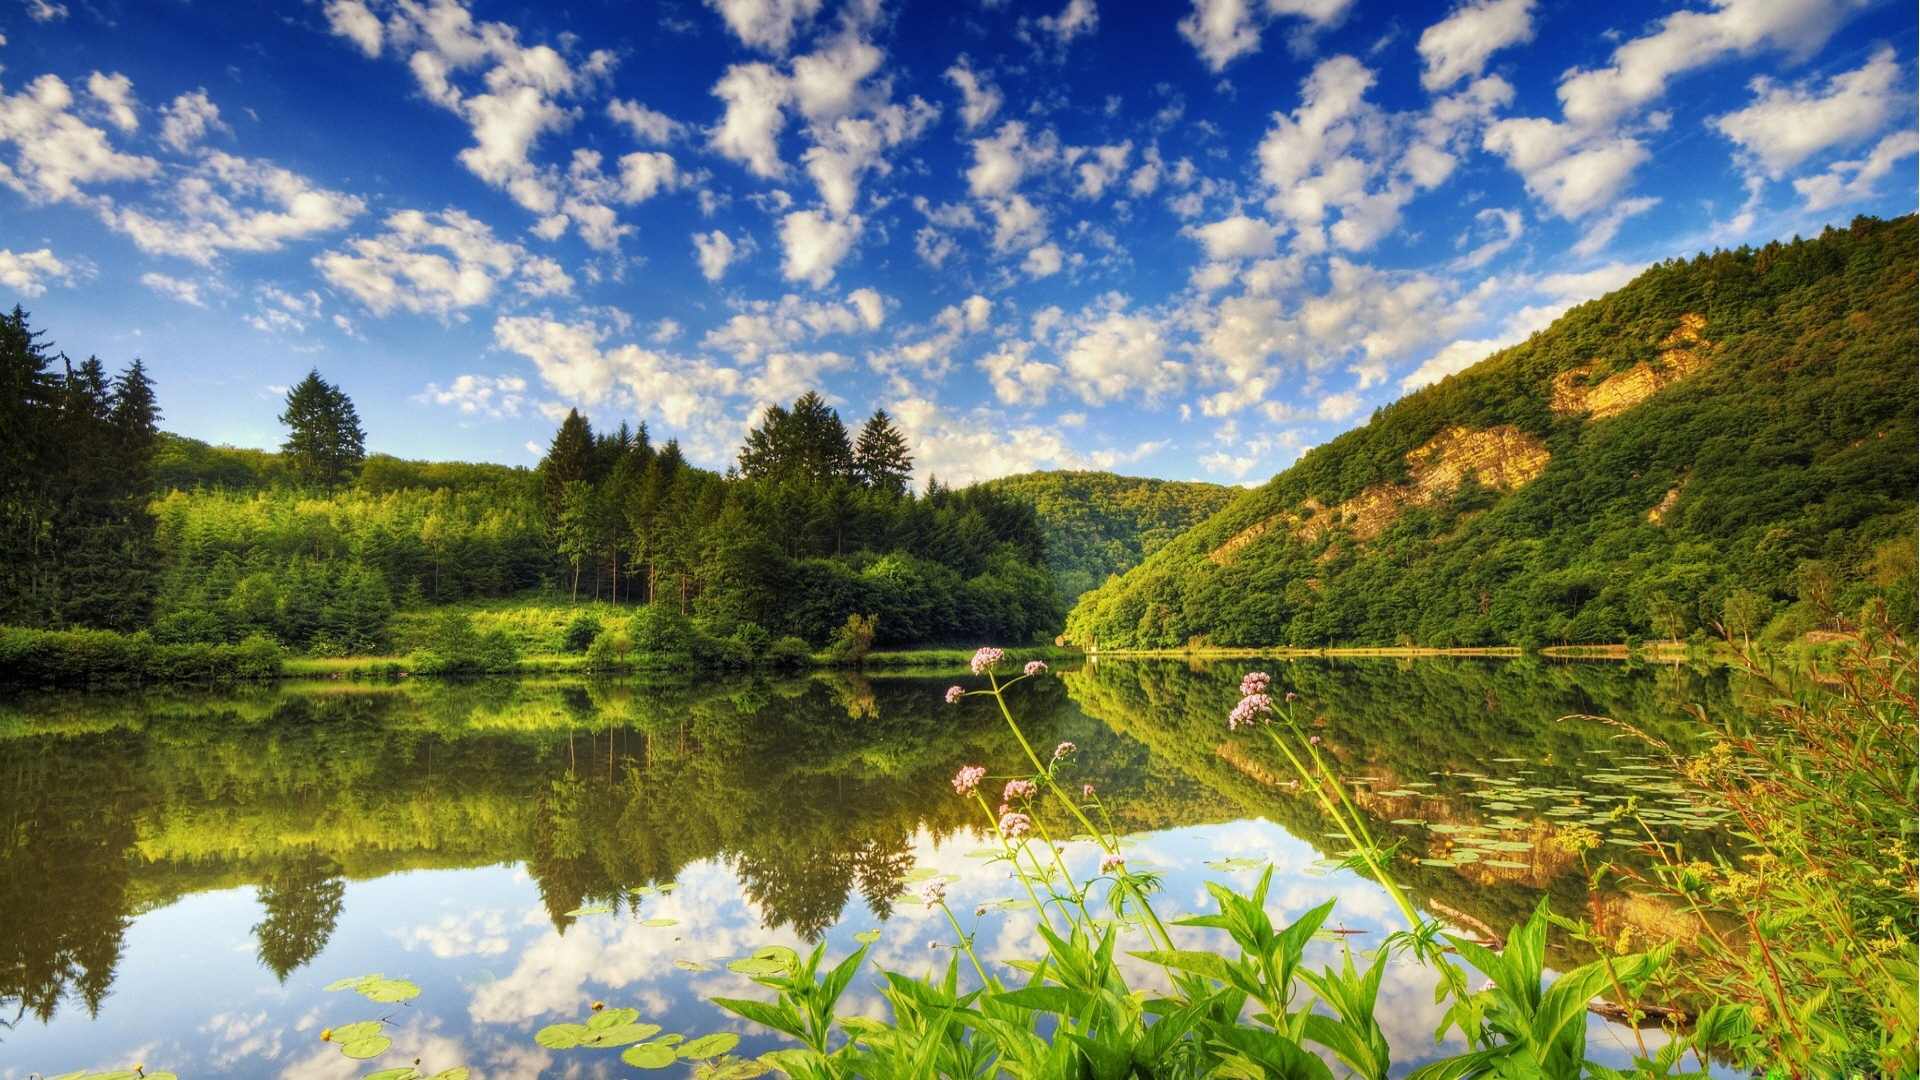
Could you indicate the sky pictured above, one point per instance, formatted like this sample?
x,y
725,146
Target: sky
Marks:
x,y
1181,240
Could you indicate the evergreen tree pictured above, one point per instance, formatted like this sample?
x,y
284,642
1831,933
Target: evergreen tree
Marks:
x,y
880,459
569,460
806,443
324,442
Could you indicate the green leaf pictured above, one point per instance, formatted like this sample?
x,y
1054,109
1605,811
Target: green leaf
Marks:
x,y
370,1046
458,1072
653,1055
596,909
561,1036
622,1035
388,991
758,965
404,1072
350,981
350,1032
611,1018
707,1046
659,922
732,1069
867,937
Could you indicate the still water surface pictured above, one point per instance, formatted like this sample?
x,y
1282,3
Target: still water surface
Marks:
x,y
182,874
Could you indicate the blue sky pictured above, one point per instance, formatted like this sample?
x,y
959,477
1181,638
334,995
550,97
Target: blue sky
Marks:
x,y
1186,240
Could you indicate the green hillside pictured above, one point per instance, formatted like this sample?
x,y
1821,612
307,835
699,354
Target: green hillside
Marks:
x,y
1098,524
1727,440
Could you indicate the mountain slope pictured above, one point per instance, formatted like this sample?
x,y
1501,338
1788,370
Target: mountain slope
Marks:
x,y
1098,524
1728,439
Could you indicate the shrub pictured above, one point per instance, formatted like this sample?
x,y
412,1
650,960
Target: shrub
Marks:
x,y
580,634
787,654
454,648
852,641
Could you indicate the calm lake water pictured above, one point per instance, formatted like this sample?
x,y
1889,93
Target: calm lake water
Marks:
x,y
182,874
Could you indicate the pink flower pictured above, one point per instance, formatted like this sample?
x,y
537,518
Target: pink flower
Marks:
x,y
1020,789
1313,740
1111,863
1063,750
934,891
986,658
1291,695
955,693
1014,826
1086,791
1254,682
1035,667
967,779
1252,707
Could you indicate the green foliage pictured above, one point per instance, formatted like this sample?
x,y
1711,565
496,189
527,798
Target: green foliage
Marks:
x,y
454,648
1779,467
580,634
788,654
325,444
852,641
105,658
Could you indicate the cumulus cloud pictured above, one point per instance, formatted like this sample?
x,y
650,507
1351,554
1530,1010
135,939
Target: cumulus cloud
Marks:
x,y
1458,46
187,292
767,328
188,119
1078,19
979,99
1098,167
813,244
1572,175
1003,160
1846,181
115,95
229,203
928,351
965,447
715,251
1786,124
1222,31
55,152
45,11
1115,354
1497,229
436,265
29,272
749,132
768,25
480,395
1235,237
646,124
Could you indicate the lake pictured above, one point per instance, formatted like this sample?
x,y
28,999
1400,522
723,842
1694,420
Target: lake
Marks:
x,y
184,874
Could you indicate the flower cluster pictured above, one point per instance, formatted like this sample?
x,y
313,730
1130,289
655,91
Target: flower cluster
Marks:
x,y
1063,750
1020,789
934,891
986,658
1035,667
967,779
1252,707
1254,682
1112,863
1015,825
955,693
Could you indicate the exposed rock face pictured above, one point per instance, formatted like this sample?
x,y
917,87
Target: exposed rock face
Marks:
x,y
1503,458
1658,514
1682,353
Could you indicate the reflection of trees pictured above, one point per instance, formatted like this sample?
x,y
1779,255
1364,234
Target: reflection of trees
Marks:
x,y
302,897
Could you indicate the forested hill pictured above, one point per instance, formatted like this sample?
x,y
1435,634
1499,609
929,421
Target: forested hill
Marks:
x,y
1098,524
1729,439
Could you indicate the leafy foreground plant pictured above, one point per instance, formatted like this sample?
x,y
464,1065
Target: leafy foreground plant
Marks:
x,y
1250,1012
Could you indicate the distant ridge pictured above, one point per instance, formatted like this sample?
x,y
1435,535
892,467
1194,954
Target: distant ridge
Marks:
x,y
1727,440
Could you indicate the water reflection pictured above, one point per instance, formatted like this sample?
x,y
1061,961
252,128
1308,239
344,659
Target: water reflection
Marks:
x,y
780,801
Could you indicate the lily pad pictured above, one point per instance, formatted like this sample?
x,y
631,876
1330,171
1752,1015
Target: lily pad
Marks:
x,y
1437,862
350,1032
732,1069
1443,828
562,1036
1235,863
369,1047
596,909
404,1072
659,922
1409,821
622,1035
867,937
693,965
612,1018
707,1046
388,991
653,1055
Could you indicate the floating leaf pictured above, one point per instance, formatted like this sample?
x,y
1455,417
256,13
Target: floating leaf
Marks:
x,y
1399,793
644,890
458,1072
342,984
1236,863
404,1072
693,965
921,873
1444,828
732,1069
707,1046
1623,842
1409,821
653,1055
659,922
867,937
622,1035
669,886
612,1018
561,1036
596,909
388,991
350,1032
1437,862
371,1046
758,965
1009,904
1506,864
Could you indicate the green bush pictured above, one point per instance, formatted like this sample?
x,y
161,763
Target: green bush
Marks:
x,y
454,648
102,657
787,654
580,634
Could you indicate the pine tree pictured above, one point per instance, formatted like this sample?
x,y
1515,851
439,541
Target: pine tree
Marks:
x,y
806,443
880,458
325,443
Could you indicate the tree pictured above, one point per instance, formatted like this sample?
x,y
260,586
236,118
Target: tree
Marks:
x,y
880,459
806,443
325,442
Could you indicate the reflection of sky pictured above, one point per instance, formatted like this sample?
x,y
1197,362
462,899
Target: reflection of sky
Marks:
x,y
190,994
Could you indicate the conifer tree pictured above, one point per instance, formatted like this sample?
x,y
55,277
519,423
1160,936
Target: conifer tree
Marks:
x,y
880,458
325,443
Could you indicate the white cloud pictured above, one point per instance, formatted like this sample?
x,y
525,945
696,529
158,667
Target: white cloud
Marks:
x,y
1600,233
645,174
768,25
1104,167
29,272
228,203
1458,46
715,251
931,355
56,152
1236,237
768,329
436,265
44,11
1786,125
1225,30
187,292
1336,407
966,447
813,245
1642,67
1499,228
479,395
1456,357
1078,19
115,94
749,132
1016,378
1845,181
353,20
1109,356
646,124
1001,162
1043,261
1571,178
979,98
188,120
